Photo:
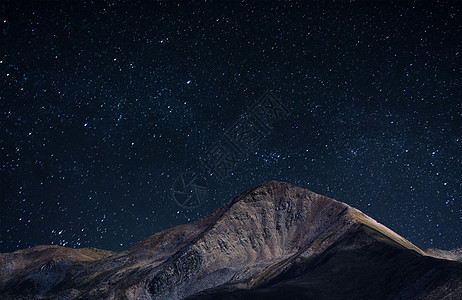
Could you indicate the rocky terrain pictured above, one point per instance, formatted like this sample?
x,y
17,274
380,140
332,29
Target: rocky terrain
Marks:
x,y
274,241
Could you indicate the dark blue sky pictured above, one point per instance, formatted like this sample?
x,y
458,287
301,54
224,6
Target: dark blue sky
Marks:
x,y
104,104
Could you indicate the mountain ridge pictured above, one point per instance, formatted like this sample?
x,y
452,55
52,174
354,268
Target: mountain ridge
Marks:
x,y
267,235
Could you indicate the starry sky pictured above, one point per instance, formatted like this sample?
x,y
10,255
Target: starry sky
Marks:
x,y
103,105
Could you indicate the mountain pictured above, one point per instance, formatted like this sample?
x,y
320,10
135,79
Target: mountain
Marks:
x,y
274,241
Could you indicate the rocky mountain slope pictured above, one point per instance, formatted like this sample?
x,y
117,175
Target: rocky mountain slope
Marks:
x,y
274,241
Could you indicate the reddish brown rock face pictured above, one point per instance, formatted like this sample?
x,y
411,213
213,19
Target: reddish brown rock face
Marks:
x,y
271,242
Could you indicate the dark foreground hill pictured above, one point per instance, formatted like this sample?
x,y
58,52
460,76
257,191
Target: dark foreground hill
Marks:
x,y
275,241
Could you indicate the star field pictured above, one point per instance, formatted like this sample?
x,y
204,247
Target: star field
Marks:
x,y
104,104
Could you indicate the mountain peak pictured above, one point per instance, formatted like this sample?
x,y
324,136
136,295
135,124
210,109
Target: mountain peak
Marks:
x,y
273,240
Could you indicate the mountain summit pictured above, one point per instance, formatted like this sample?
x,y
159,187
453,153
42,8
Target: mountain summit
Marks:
x,y
274,241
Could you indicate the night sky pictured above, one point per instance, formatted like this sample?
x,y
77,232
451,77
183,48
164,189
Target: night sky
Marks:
x,y
103,105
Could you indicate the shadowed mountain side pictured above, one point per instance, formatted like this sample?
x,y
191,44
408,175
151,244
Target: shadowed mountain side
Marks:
x,y
361,266
275,240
